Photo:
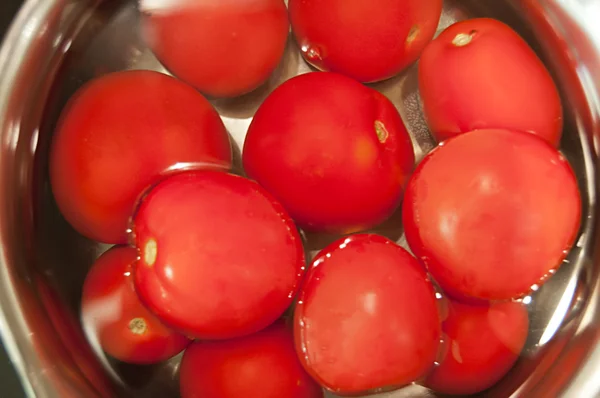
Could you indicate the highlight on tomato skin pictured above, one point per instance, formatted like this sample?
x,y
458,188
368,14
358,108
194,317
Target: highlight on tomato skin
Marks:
x,y
492,212
113,314
366,318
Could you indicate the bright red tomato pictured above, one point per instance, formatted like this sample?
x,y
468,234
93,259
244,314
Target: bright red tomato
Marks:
x,y
334,152
492,212
224,48
479,74
366,317
261,365
112,312
359,38
219,257
117,136
483,343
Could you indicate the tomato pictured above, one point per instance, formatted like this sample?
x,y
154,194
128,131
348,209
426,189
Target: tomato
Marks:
x,y
117,135
483,343
220,258
478,74
224,48
361,39
113,313
492,212
334,152
366,317
261,365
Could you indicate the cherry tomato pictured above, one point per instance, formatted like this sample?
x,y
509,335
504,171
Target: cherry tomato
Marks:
x,y
224,48
366,317
359,38
483,343
492,212
478,74
334,152
261,365
220,258
117,135
113,313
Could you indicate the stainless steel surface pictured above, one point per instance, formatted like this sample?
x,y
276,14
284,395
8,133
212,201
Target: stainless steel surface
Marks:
x,y
54,46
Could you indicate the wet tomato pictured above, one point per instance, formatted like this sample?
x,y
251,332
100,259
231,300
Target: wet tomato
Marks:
x,y
117,135
478,74
366,317
113,314
224,48
338,152
492,212
483,343
220,258
366,42
261,365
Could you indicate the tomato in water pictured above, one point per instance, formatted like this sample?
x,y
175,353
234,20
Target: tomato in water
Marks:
x,y
483,343
261,365
361,39
224,48
366,317
220,258
492,212
113,313
117,136
339,154
480,73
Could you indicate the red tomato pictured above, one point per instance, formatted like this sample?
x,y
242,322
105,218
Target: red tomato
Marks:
x,y
492,212
483,343
224,48
219,257
479,74
261,365
368,41
113,313
334,152
366,317
116,137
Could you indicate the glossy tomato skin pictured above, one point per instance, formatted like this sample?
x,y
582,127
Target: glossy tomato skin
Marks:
x,y
338,152
483,343
261,365
392,34
118,135
220,258
492,212
360,295
113,313
479,74
224,48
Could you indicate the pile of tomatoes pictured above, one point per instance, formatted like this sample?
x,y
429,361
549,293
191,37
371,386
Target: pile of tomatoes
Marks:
x,y
213,262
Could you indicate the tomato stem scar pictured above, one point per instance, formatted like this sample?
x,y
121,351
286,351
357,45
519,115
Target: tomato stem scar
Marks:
x,y
462,39
381,131
150,252
137,326
412,34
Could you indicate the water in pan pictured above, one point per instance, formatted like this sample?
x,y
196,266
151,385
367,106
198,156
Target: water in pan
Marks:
x,y
111,41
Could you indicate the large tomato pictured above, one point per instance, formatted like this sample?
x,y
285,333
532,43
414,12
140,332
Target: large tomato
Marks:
x,y
368,41
224,48
118,135
492,212
334,152
479,73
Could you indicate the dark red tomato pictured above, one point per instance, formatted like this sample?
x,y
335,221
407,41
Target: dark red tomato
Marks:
x,y
483,343
220,258
334,152
224,48
261,365
492,212
113,313
361,39
366,317
481,74
117,135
